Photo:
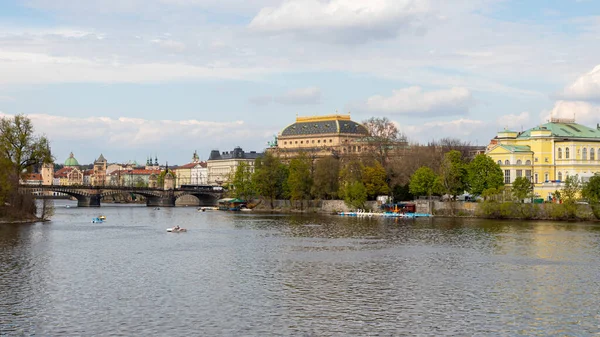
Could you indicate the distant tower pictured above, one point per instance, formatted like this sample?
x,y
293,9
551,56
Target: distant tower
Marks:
x,y
156,161
195,157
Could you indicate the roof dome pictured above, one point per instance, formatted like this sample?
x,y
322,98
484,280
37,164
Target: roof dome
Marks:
x,y
324,125
71,161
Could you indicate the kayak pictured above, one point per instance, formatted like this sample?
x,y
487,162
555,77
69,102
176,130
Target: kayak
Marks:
x,y
175,230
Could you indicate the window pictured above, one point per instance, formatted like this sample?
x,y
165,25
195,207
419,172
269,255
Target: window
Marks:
x,y
559,153
567,153
536,160
519,173
319,141
528,174
592,154
584,154
499,162
313,141
507,176
528,162
331,140
546,176
301,142
560,176
519,162
507,162
536,178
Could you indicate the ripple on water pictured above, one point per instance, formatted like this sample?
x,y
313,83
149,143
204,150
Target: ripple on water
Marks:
x,y
260,275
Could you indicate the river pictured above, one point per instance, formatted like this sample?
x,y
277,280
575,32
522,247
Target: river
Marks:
x,y
309,275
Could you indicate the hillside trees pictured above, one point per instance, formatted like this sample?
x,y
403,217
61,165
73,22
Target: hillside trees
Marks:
x,y
453,173
423,182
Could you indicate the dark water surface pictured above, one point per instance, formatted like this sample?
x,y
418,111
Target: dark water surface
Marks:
x,y
261,275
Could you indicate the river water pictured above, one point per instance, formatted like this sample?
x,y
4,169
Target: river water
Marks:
x,y
260,275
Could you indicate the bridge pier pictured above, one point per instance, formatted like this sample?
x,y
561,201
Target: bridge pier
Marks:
x,y
91,201
165,201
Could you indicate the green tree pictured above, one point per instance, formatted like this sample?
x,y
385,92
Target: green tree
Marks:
x,y
423,182
483,174
521,188
243,185
161,177
326,178
20,146
402,193
453,173
571,188
270,177
355,194
374,179
591,191
21,150
299,179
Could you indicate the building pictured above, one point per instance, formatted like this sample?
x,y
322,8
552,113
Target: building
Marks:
x,y
221,165
99,172
321,136
548,154
194,173
68,176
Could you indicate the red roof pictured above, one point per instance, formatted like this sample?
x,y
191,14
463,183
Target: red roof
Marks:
x,y
32,176
191,165
62,173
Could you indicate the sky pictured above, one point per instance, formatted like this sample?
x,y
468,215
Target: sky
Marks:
x,y
164,78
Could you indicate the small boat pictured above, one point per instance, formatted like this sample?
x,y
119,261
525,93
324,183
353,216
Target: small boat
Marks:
x,y
176,230
94,220
156,208
102,217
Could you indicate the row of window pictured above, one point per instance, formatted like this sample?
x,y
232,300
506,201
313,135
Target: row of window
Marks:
x,y
584,153
307,142
519,162
519,174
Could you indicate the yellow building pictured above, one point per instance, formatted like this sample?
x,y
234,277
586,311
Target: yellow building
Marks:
x,y
221,166
548,154
321,136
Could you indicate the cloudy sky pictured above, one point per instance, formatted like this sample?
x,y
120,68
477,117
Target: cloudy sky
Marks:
x,y
132,78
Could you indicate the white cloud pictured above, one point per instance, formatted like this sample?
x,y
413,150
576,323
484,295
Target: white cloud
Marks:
x,y
585,88
34,68
301,96
512,121
413,100
475,131
170,45
583,112
311,95
134,135
342,20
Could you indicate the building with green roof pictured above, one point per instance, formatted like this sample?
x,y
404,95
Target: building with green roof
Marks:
x,y
547,154
71,161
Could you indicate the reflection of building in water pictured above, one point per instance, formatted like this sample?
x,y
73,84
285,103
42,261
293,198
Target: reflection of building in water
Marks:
x,y
547,154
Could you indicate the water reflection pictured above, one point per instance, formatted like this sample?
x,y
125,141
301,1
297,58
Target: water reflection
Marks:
x,y
265,274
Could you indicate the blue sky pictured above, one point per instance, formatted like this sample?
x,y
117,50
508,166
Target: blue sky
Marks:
x,y
132,78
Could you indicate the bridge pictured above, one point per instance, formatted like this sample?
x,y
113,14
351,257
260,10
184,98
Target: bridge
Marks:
x,y
90,196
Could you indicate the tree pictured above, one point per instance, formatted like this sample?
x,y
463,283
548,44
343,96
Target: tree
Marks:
x,y
374,180
423,182
161,177
483,174
270,177
453,173
299,179
401,193
243,186
383,137
20,146
355,194
591,191
20,151
571,189
326,178
521,188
